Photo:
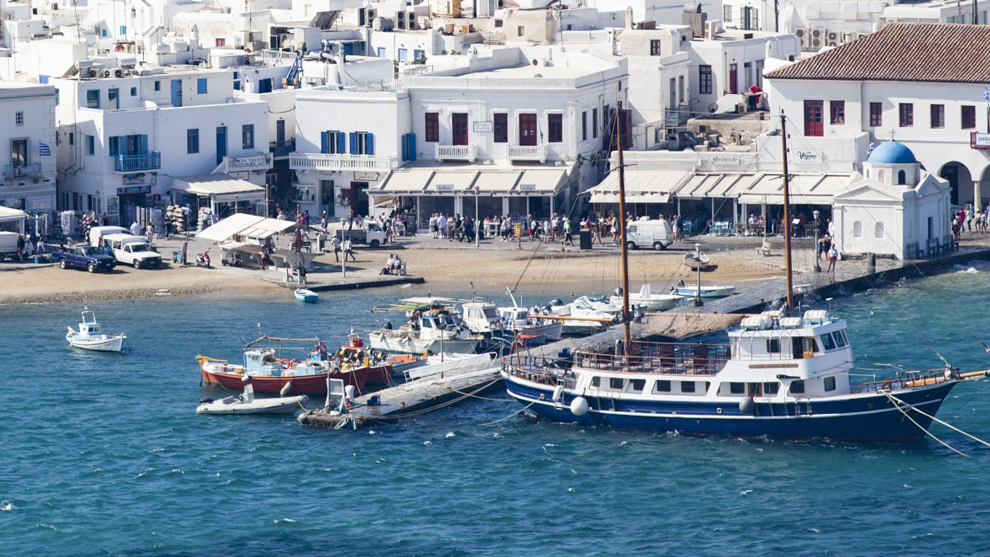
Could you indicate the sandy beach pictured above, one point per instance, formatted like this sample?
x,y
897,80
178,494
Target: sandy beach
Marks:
x,y
442,264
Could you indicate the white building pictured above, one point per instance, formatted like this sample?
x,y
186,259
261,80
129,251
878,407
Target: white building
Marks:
x,y
27,147
896,208
122,140
927,94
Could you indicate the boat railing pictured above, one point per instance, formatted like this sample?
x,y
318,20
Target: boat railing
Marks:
x,y
538,370
905,380
668,358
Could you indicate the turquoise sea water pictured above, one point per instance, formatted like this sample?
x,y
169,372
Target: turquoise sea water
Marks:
x,y
103,454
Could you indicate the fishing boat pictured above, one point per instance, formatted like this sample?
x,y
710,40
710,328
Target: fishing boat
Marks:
x,y
647,299
432,327
697,261
706,291
307,295
268,361
779,375
90,337
247,403
584,316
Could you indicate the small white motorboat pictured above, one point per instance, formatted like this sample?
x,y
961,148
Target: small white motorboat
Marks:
x,y
697,260
246,403
89,336
647,299
306,295
706,291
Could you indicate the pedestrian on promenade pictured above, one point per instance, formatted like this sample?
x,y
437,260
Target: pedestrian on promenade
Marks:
x,y
348,250
833,256
335,242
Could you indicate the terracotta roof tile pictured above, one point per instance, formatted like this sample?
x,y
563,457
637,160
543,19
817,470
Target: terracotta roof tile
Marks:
x,y
903,52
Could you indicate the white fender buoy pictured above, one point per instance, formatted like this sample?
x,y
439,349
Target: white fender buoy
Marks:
x,y
579,406
558,393
747,406
285,390
349,393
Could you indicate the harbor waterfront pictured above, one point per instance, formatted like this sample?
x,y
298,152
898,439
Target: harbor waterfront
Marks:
x,y
104,453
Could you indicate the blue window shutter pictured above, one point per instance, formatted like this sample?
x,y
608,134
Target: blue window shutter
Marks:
x,y
369,144
341,139
325,142
405,145
412,147
353,145
143,145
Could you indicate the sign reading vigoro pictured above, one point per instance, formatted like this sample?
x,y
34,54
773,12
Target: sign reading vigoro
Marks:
x,y
808,156
445,187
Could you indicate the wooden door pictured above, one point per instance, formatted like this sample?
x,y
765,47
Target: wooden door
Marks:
x,y
527,129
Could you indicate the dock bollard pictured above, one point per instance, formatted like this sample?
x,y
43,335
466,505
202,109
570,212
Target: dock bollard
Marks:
x,y
871,263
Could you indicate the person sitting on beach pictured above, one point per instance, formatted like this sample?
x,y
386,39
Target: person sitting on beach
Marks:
x,y
397,266
387,269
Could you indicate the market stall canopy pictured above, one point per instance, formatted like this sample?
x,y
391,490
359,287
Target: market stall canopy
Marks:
x,y
642,186
221,187
11,215
242,224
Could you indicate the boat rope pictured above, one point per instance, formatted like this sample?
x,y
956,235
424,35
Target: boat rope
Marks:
x,y
484,397
943,422
447,403
930,434
516,413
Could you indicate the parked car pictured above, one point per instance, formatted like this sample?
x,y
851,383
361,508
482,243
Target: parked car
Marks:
x,y
132,250
86,257
8,245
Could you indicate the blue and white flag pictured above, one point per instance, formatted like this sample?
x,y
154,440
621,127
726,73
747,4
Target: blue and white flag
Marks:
x,y
986,95
44,150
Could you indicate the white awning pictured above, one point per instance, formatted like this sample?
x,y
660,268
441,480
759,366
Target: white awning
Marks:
x,y
400,181
805,189
8,214
242,224
221,187
642,186
497,181
541,181
452,181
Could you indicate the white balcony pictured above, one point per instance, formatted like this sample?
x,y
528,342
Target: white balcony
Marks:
x,y
528,153
457,153
335,162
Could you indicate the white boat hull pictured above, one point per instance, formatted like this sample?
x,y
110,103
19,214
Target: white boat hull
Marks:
x,y
235,405
707,291
407,345
656,302
98,344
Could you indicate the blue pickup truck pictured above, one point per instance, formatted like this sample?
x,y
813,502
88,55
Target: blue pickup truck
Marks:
x,y
90,258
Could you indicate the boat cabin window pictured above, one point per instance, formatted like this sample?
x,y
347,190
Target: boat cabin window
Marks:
x,y
616,383
687,387
661,386
797,387
829,384
804,347
636,385
737,388
596,381
771,388
840,338
428,323
773,346
827,342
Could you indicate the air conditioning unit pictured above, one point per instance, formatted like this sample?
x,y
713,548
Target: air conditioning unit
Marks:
x,y
816,39
802,34
832,38
849,37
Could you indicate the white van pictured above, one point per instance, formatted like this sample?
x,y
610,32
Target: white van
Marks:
x,y
97,233
646,233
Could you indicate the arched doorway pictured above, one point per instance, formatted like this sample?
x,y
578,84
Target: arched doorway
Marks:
x,y
960,182
985,186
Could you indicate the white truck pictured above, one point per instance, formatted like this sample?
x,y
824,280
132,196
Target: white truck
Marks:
x,y
657,234
97,233
370,233
8,245
132,250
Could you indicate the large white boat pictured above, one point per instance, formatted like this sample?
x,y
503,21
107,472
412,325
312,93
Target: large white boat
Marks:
x,y
585,315
432,327
645,298
778,376
91,337
526,325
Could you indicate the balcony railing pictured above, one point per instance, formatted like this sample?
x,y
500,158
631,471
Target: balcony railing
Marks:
x,y
23,171
457,153
282,148
320,161
524,153
675,117
137,163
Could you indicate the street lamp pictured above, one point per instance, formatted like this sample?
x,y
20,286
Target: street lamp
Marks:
x,y
696,302
818,268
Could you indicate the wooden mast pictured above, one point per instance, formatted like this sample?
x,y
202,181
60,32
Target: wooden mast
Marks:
x,y
787,217
622,227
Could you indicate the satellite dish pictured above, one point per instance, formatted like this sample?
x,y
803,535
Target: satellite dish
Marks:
x,y
712,107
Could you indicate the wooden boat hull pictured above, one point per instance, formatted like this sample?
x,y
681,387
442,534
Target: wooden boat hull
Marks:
x,y
226,376
112,344
233,405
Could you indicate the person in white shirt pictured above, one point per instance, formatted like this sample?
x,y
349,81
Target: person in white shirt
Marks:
x,y
387,269
348,250
135,229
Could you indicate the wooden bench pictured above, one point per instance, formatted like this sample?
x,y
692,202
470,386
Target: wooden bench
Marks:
x,y
765,249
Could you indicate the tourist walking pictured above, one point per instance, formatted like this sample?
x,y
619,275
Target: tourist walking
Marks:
x,y
833,256
348,250
335,242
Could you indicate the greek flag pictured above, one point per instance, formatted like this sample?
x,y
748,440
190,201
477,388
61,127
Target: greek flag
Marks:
x,y
44,150
986,96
